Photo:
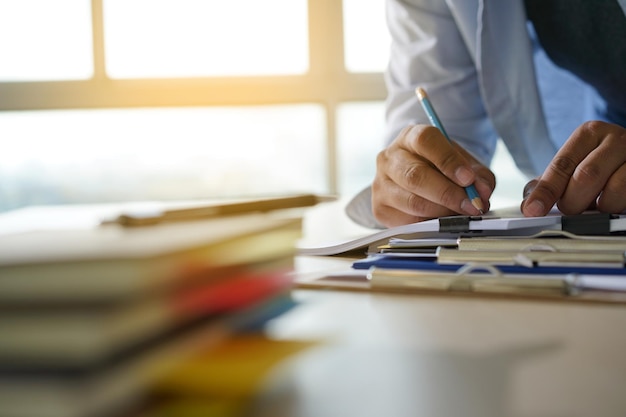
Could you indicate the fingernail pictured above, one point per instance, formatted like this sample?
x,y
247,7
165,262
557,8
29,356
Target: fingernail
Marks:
x,y
535,208
469,208
464,176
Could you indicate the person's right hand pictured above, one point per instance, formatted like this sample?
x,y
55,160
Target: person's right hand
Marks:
x,y
421,175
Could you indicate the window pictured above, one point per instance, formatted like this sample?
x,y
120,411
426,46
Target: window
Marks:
x,y
196,38
118,100
45,40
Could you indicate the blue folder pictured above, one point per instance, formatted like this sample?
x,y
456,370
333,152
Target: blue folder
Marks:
x,y
390,262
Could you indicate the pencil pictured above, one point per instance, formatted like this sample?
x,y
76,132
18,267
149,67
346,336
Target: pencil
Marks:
x,y
432,116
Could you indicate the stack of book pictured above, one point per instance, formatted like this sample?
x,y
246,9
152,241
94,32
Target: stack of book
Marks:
x,y
92,317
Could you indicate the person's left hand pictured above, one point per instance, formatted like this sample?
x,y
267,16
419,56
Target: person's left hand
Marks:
x,y
589,171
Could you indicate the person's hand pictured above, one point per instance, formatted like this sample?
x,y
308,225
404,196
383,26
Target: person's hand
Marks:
x,y
589,171
421,175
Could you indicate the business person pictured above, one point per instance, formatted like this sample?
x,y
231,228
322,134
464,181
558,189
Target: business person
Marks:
x,y
548,77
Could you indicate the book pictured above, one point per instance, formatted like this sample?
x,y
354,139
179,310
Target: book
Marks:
x,y
101,264
103,392
88,336
234,369
112,388
91,315
202,211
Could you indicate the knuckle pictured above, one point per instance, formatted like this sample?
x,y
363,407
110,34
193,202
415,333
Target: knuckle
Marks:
x,y
448,163
592,127
617,142
563,165
381,158
427,136
413,175
547,191
589,173
385,160
414,203
448,197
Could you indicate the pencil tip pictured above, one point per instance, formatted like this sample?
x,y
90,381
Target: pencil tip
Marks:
x,y
478,203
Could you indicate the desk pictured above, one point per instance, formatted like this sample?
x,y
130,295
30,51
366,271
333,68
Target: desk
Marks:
x,y
397,355
409,355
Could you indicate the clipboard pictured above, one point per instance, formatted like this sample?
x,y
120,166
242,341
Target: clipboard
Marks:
x,y
596,259
476,281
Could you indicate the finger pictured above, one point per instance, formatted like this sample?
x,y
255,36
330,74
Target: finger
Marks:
x,y
485,190
416,176
528,189
429,143
485,184
554,181
613,197
393,205
592,175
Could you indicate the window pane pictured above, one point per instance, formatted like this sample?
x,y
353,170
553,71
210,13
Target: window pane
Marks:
x,y
186,38
84,156
360,136
367,39
45,40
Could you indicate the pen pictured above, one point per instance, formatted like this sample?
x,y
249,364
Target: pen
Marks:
x,y
473,195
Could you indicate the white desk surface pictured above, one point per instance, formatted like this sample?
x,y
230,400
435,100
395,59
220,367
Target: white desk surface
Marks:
x,y
409,355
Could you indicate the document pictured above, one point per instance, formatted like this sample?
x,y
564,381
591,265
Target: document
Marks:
x,y
490,225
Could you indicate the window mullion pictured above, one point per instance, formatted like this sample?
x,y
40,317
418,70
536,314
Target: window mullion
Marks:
x,y
97,22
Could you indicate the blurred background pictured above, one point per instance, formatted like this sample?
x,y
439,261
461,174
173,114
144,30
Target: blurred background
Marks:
x,y
126,100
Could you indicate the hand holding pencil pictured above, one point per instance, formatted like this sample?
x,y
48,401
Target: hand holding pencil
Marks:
x,y
423,174
434,119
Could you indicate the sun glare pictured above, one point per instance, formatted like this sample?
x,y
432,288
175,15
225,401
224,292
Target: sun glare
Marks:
x,y
189,38
45,40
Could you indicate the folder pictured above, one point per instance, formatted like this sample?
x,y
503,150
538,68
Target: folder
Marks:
x,y
545,241
474,279
532,258
464,281
457,226
394,262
